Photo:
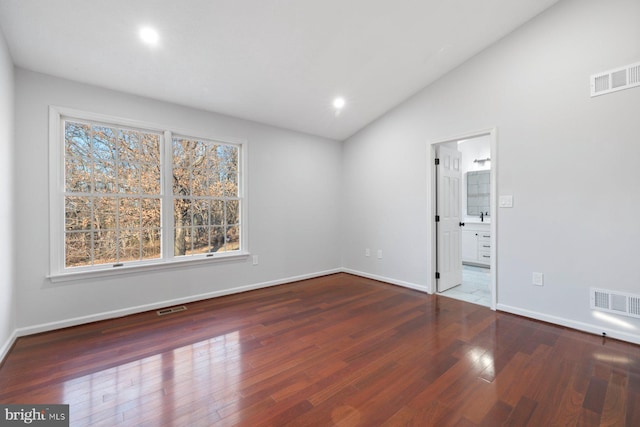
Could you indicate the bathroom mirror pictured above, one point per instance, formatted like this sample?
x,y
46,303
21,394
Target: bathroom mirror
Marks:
x,y
478,189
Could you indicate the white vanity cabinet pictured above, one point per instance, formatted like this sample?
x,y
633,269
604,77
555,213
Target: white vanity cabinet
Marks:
x,y
476,244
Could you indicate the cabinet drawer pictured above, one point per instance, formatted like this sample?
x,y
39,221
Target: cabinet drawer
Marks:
x,y
484,257
484,236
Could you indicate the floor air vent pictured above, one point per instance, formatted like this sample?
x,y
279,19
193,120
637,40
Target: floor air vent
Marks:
x,y
614,80
615,302
171,310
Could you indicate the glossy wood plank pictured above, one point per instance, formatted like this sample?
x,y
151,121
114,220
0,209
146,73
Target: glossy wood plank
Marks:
x,y
337,350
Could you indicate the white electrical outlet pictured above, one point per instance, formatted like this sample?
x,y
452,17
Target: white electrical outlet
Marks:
x,y
379,253
255,260
537,279
367,252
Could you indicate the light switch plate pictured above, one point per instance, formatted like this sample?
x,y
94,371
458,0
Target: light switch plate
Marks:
x,y
505,201
537,279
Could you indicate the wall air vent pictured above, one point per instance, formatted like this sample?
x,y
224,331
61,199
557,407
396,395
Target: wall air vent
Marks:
x,y
171,310
615,302
615,80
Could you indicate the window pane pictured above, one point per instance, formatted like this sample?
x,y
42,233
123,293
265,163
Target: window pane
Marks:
x,y
150,178
104,164
213,161
181,182
151,213
77,140
233,212
181,151
104,143
128,178
129,146
217,239
233,238
129,214
105,247
230,185
77,175
228,155
200,240
129,245
151,244
199,182
77,161
217,212
182,212
104,176
216,186
150,146
182,241
77,213
77,249
229,169
198,154
104,213
200,212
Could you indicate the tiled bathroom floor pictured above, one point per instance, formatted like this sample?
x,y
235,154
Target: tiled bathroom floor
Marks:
x,y
474,287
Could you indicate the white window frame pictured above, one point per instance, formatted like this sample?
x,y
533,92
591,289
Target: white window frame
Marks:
x,y
57,270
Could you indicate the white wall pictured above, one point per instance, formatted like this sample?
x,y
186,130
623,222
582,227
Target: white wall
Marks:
x,y
570,162
7,294
293,182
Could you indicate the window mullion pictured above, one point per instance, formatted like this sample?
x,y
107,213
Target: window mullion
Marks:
x,y
57,186
92,189
166,163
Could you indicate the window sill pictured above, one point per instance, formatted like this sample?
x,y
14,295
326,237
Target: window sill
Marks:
x,y
140,268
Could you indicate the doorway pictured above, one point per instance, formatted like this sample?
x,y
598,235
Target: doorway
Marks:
x,y
463,217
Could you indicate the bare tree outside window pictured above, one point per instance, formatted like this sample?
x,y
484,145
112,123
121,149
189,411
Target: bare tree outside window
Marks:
x,y
112,195
206,199
114,201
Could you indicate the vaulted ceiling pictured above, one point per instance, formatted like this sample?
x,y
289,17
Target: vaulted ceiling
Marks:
x,y
279,62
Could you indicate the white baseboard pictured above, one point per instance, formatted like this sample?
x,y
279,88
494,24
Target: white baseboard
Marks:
x,y
161,304
573,324
4,350
421,288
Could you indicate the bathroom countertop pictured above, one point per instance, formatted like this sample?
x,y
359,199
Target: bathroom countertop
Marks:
x,y
477,221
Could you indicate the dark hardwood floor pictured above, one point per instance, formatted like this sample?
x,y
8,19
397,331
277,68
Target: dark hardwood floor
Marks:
x,y
337,350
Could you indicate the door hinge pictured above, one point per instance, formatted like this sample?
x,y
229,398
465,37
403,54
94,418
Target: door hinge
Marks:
x,y
437,162
437,218
437,275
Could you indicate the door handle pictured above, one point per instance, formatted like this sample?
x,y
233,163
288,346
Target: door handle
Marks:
x,y
462,224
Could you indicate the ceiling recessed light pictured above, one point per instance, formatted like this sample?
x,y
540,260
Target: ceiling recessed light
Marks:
x,y
149,35
339,103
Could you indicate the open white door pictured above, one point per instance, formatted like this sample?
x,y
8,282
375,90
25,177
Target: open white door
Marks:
x,y
448,217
